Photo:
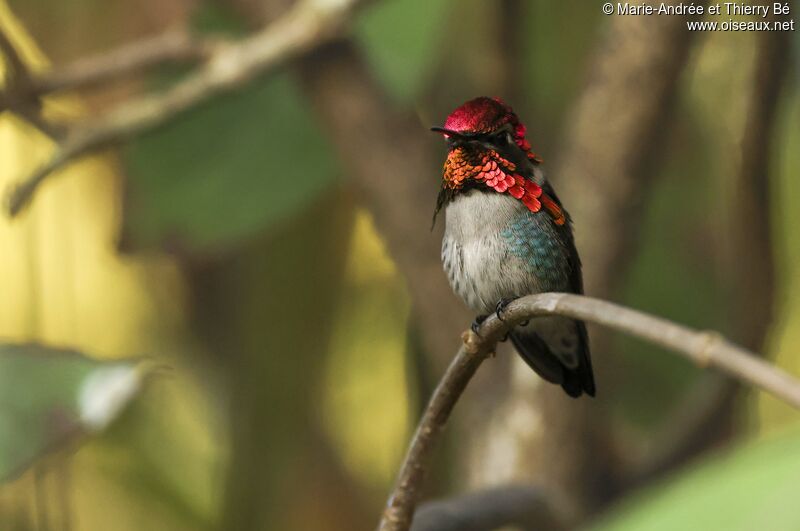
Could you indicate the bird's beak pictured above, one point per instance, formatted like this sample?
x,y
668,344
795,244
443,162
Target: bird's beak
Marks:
x,y
449,133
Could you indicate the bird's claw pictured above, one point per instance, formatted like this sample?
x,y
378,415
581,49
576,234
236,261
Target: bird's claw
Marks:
x,y
501,306
476,324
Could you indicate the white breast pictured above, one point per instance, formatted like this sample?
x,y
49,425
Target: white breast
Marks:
x,y
475,256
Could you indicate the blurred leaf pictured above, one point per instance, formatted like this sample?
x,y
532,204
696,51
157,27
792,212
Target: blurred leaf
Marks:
x,y
160,465
48,395
227,170
753,487
401,39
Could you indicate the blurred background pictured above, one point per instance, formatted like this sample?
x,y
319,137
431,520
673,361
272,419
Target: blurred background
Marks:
x,y
269,256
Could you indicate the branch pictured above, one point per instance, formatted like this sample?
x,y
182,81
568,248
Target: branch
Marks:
x,y
524,506
707,349
17,91
305,26
400,507
175,45
16,65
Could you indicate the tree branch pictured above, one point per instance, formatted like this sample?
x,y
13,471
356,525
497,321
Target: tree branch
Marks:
x,y
17,91
305,26
707,349
526,506
16,65
175,45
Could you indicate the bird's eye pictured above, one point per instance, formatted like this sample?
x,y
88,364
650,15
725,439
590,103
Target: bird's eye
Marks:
x,y
502,139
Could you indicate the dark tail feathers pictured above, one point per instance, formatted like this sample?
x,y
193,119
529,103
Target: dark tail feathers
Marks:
x,y
538,356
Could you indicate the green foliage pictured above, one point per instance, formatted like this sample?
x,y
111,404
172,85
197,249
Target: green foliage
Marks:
x,y
230,169
227,170
165,453
753,487
48,395
400,44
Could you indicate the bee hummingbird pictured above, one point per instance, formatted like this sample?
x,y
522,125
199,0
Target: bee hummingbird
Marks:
x,y
507,235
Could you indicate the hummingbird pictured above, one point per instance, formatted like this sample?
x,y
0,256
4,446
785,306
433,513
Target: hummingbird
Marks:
x,y
507,235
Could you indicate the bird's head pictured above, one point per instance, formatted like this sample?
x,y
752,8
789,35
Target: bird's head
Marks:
x,y
484,119
487,148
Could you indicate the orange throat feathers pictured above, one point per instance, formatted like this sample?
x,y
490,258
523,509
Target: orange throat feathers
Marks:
x,y
492,170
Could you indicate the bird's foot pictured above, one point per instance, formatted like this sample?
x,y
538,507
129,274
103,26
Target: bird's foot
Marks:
x,y
501,307
476,324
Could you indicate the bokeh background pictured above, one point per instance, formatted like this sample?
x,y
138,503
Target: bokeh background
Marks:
x,y
268,256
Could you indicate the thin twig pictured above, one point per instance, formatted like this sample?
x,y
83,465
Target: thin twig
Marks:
x,y
305,26
175,45
400,507
24,92
707,349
